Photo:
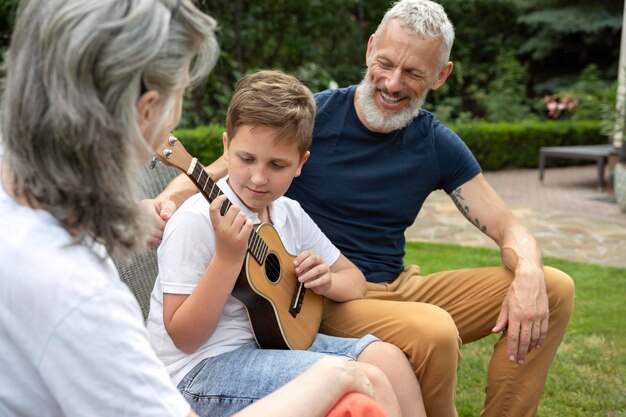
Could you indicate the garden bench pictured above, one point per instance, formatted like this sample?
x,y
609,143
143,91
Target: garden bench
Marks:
x,y
597,153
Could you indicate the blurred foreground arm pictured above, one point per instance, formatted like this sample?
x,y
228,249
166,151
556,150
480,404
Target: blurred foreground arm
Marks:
x,y
316,392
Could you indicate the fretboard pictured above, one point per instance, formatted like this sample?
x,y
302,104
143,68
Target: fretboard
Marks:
x,y
209,189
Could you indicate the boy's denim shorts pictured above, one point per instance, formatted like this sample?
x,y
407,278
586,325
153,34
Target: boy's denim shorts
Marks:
x,y
227,383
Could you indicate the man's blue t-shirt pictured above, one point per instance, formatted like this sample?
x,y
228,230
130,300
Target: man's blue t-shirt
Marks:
x,y
364,189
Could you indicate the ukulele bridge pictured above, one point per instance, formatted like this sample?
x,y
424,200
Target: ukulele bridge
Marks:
x,y
296,300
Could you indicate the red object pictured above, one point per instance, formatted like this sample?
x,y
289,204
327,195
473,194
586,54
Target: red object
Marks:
x,y
356,405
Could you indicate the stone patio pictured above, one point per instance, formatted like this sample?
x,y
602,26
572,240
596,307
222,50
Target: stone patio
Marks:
x,y
570,217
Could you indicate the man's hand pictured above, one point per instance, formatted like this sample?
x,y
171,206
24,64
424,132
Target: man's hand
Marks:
x,y
161,211
525,310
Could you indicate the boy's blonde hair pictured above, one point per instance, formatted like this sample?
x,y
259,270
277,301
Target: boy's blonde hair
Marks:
x,y
273,99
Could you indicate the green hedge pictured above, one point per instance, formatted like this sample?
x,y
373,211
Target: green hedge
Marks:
x,y
204,142
516,145
495,145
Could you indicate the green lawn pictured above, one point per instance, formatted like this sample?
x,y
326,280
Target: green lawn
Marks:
x,y
588,377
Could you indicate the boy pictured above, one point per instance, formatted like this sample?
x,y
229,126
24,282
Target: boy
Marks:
x,y
198,329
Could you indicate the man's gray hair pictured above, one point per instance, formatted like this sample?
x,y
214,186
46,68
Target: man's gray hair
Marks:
x,y
423,17
71,80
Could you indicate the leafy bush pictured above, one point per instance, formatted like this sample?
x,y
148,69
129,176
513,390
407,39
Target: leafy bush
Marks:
x,y
495,145
506,100
204,142
592,93
507,145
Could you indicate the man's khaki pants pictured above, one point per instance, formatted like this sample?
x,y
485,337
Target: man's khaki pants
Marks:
x,y
429,317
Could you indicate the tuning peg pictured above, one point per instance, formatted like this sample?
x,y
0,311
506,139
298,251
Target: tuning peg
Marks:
x,y
153,162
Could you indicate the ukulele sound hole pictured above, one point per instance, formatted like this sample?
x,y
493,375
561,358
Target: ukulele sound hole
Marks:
x,y
272,267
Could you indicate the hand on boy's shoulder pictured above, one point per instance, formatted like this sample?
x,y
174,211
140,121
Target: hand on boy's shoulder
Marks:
x,y
160,212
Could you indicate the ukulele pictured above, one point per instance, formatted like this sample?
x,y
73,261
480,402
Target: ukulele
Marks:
x,y
282,313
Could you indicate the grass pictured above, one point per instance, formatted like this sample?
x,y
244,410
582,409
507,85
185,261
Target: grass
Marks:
x,y
588,376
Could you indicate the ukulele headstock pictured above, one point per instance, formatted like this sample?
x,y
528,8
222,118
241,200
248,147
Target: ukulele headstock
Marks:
x,y
172,152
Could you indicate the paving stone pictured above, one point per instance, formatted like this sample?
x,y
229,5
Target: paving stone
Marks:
x,y
568,215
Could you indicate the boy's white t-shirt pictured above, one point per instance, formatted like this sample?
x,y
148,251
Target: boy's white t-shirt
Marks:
x,y
72,339
188,246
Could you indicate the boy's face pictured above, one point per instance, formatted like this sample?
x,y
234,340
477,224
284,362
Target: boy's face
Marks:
x,y
260,169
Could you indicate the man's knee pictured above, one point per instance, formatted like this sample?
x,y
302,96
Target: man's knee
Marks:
x,y
433,339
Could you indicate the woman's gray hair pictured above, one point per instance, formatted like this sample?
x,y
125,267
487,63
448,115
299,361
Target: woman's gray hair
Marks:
x,y
72,76
423,17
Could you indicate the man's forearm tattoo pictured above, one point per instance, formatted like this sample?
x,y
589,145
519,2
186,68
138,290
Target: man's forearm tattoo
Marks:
x,y
459,201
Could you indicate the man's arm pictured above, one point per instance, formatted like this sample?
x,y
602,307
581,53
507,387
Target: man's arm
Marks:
x,y
180,189
525,308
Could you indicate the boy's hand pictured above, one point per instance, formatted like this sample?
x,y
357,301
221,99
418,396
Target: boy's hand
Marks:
x,y
231,231
313,272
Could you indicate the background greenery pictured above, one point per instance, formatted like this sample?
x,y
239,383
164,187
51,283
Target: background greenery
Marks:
x,y
588,376
508,53
495,145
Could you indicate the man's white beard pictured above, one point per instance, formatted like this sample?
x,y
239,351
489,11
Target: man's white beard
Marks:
x,y
382,120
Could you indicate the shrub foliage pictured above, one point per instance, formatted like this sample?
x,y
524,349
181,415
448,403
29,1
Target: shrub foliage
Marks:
x,y
495,145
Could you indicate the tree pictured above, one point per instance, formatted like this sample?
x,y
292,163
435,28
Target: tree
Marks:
x,y
564,36
7,17
485,30
325,40
506,101
318,40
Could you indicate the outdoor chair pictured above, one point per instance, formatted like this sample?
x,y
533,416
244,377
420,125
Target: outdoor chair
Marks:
x,y
140,270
